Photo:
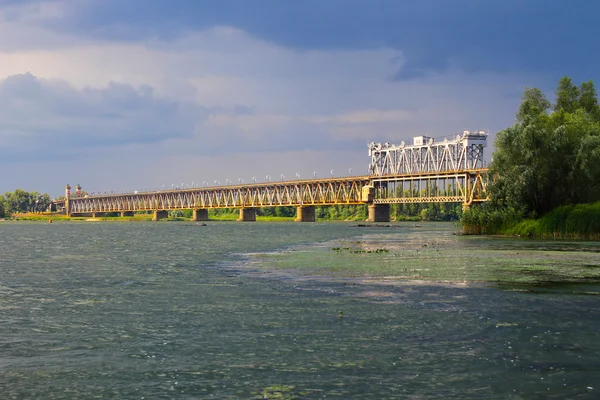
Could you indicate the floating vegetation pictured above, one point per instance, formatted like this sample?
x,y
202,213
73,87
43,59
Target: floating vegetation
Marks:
x,y
280,392
358,251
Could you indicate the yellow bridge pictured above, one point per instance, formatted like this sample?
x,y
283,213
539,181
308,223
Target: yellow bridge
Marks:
x,y
465,186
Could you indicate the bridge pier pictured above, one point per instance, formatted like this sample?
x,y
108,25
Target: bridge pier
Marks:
x,y
98,214
127,213
379,213
200,215
247,214
160,214
305,214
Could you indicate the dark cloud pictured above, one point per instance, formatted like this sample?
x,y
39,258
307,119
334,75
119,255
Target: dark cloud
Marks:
x,y
542,36
41,117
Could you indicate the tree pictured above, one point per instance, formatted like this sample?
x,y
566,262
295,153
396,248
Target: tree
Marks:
x,y
22,201
547,160
588,99
533,104
567,96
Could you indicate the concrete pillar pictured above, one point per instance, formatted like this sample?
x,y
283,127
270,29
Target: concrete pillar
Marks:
x,y
200,215
127,213
160,214
305,214
247,214
379,213
98,214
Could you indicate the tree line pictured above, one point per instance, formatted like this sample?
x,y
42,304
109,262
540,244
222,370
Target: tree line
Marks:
x,y
21,201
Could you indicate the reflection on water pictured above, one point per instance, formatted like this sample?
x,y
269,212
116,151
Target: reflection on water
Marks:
x,y
231,310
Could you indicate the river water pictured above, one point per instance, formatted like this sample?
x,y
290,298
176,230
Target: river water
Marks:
x,y
175,310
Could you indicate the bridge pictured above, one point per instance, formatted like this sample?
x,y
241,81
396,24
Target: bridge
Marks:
x,y
426,171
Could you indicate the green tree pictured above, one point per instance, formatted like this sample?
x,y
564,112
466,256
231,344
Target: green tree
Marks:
x,y
567,96
548,159
588,99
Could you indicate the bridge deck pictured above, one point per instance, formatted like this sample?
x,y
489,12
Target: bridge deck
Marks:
x,y
452,186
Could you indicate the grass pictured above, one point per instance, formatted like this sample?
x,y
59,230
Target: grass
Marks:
x,y
580,221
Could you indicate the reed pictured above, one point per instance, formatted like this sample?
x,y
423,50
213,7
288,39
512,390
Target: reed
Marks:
x,y
579,221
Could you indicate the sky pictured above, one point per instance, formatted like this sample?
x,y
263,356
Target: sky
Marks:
x,y
147,94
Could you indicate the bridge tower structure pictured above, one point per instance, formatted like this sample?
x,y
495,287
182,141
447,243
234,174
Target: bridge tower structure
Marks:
x,y
426,155
428,171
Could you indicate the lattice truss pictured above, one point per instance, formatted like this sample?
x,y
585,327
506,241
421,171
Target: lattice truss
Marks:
x,y
297,193
464,152
465,188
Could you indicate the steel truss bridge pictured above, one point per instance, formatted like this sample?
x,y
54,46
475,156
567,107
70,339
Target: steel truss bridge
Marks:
x,y
425,172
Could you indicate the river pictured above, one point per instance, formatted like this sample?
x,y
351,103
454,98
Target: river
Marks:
x,y
178,310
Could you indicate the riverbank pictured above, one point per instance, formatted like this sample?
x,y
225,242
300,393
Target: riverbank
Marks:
x,y
215,217
579,221
137,217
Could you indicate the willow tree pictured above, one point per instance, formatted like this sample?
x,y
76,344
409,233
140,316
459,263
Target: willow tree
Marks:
x,y
551,155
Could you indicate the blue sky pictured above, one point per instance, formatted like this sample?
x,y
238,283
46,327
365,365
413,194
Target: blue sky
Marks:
x,y
122,95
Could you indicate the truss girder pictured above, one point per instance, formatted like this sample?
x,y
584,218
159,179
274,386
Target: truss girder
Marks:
x,y
295,193
467,187
465,152
464,187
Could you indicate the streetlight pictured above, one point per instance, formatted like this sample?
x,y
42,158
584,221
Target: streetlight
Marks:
x,y
205,183
254,179
331,172
228,181
240,180
315,174
282,177
298,175
217,182
268,177
349,171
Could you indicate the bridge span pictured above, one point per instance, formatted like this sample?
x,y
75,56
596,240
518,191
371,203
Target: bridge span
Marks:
x,y
466,187
424,172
